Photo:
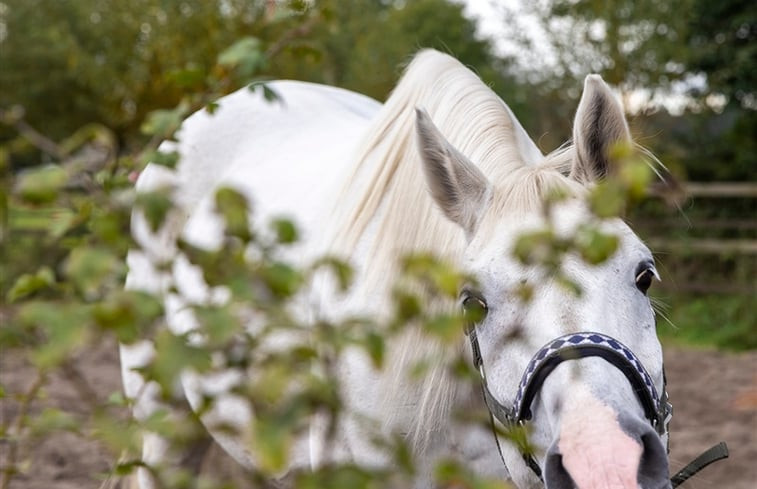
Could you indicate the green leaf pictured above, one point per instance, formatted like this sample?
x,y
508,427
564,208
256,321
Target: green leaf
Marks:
x,y
61,221
272,381
524,291
118,435
272,441
169,159
375,347
569,284
191,76
212,107
41,185
447,327
340,476
117,399
111,227
128,313
55,221
595,246
234,208
175,355
246,56
341,270
536,247
443,277
155,206
269,94
281,279
449,473
408,306
65,328
163,123
218,324
28,284
607,199
637,176
50,420
286,232
93,268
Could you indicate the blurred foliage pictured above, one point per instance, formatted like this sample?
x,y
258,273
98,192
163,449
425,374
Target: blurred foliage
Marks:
x,y
89,88
71,63
64,231
67,297
67,64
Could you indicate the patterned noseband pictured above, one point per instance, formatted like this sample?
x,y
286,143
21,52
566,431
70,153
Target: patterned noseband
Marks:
x,y
657,409
580,345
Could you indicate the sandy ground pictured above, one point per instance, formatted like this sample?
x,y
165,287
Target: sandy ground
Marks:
x,y
714,395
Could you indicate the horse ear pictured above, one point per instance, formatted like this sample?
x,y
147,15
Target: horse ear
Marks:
x,y
457,186
599,125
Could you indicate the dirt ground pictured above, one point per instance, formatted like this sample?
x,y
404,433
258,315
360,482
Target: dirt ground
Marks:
x,y
714,396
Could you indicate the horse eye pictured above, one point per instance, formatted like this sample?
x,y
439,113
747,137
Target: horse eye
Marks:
x,y
474,307
644,279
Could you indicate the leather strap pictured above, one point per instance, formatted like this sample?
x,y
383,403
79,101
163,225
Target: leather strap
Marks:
x,y
718,452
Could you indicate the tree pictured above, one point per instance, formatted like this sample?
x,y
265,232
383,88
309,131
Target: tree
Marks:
x,y
66,64
722,42
633,44
362,45
71,63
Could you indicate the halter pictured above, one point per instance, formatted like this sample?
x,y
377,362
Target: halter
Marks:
x,y
657,409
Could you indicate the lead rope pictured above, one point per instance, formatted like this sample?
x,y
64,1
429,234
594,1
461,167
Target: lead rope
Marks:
x,y
494,429
479,364
718,452
528,459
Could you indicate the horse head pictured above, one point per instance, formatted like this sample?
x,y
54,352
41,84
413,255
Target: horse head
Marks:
x,y
591,422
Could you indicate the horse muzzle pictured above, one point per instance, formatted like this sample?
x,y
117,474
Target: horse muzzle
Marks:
x,y
597,447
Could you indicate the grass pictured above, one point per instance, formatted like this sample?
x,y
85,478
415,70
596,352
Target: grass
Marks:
x,y
727,322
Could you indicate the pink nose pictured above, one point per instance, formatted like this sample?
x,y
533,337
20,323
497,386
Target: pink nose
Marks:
x,y
600,448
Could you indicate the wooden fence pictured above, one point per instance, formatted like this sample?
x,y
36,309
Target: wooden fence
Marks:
x,y
709,243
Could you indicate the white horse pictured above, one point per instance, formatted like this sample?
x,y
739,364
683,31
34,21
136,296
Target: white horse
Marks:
x,y
461,178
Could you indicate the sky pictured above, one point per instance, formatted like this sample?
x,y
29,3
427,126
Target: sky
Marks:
x,y
490,16
485,11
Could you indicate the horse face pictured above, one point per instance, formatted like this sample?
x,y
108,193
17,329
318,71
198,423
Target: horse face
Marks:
x,y
586,416
588,427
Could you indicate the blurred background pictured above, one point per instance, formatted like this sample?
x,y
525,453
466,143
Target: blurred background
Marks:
x,y
685,69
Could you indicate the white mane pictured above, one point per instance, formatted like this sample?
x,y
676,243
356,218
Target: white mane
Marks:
x,y
395,211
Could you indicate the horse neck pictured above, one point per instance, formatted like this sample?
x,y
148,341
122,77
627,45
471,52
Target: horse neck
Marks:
x,y
385,212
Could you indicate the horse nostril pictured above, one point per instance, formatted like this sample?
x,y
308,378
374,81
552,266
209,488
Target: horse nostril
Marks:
x,y
632,457
653,465
555,475
653,468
